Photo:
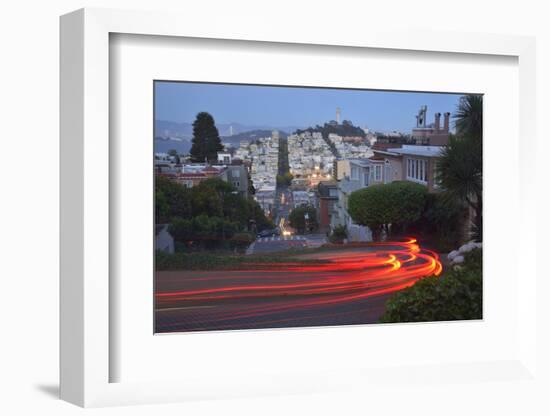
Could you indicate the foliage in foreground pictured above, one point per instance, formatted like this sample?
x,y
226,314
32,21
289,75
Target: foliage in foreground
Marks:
x,y
456,295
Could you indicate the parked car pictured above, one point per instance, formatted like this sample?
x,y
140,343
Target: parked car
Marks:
x,y
265,233
269,233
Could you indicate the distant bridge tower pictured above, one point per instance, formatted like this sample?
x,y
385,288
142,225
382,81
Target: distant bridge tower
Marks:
x,y
338,113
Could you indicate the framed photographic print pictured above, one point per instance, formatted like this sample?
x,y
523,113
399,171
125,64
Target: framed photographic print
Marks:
x,y
291,212
282,219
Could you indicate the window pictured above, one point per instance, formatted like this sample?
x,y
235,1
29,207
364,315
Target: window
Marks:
x,y
354,173
378,173
387,171
237,173
425,171
417,170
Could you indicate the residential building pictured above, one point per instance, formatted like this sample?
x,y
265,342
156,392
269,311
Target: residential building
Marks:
x,y
303,198
265,196
237,175
340,169
328,199
190,175
433,134
363,173
224,158
411,163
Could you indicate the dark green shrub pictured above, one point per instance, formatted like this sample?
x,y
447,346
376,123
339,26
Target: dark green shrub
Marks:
x,y
241,241
456,295
339,233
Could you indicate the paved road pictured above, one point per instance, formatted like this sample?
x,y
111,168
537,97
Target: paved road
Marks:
x,y
340,287
274,244
280,243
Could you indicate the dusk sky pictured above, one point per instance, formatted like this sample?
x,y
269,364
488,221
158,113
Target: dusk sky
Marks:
x,y
284,106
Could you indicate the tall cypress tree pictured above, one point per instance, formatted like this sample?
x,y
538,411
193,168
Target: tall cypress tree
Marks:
x,y
206,138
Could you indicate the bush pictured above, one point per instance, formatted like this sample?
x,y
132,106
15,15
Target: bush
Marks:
x,y
241,241
203,231
456,295
339,233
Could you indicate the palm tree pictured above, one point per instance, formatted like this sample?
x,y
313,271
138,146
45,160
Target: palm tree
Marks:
x,y
469,116
460,168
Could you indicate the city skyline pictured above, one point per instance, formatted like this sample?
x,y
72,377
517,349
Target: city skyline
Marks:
x,y
279,106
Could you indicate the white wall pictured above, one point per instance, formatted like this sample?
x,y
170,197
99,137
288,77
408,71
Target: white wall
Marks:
x,y
29,209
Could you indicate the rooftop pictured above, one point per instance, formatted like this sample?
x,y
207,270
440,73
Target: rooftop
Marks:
x,y
427,151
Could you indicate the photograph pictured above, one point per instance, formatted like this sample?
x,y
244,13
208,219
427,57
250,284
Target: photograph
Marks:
x,y
282,206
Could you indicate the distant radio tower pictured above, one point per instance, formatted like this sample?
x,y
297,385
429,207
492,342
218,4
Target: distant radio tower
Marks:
x,y
231,130
338,111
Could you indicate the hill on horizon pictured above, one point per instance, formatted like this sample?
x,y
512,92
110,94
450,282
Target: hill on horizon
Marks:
x,y
165,128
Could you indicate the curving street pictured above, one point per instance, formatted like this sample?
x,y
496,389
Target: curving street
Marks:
x,y
339,286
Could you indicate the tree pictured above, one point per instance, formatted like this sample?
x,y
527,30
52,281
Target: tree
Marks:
x,y
171,200
257,216
217,198
460,169
174,154
443,220
285,180
460,175
303,218
397,204
207,197
251,189
206,141
469,116
207,215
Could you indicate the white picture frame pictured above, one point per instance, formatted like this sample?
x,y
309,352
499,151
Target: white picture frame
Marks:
x,y
86,356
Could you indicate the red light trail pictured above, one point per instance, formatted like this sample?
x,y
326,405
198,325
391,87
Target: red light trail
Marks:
x,y
271,293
